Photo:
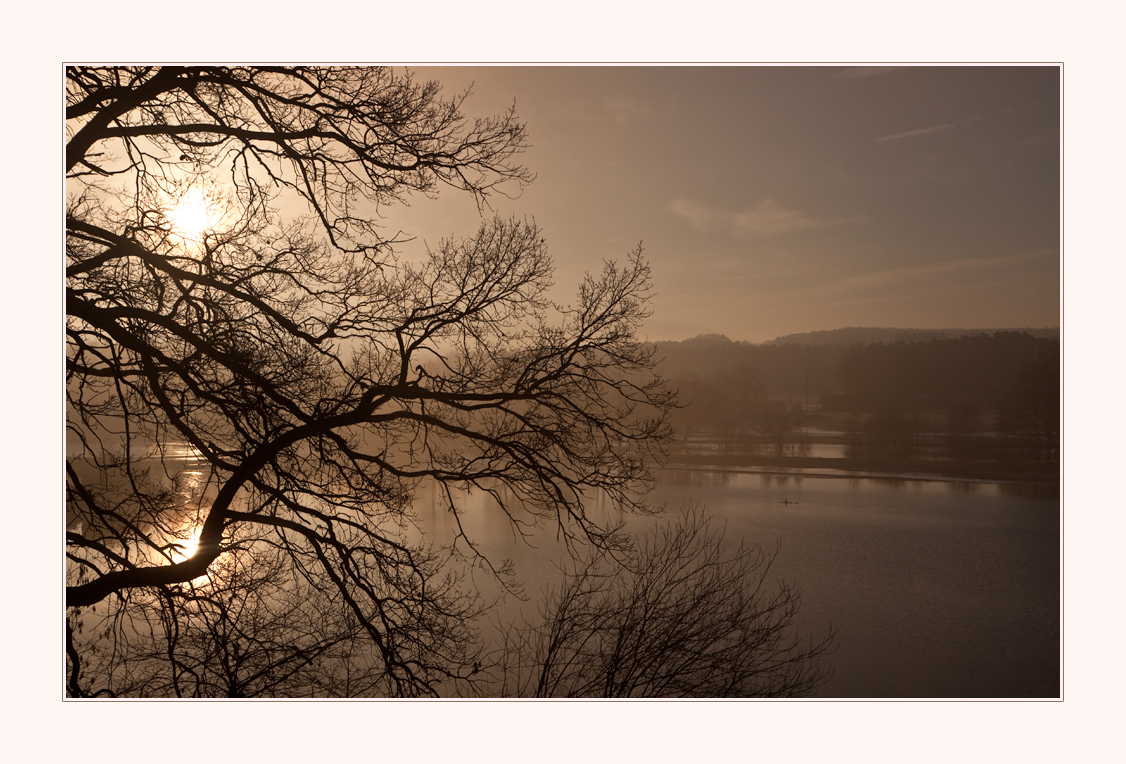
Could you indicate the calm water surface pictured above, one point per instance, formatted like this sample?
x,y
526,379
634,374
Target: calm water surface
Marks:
x,y
936,589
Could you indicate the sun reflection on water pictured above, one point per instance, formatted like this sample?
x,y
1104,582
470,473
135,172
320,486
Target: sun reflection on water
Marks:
x,y
187,548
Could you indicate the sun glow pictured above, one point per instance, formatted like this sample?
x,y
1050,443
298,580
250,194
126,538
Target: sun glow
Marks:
x,y
193,215
186,548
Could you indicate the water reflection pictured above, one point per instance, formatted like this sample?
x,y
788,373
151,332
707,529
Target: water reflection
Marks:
x,y
188,484
188,545
938,588
780,479
697,477
1031,490
708,476
178,451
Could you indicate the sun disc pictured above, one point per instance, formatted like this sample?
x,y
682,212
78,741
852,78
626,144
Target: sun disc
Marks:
x,y
191,215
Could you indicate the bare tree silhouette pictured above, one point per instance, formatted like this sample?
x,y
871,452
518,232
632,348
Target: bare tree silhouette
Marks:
x,y
313,375
257,380
684,616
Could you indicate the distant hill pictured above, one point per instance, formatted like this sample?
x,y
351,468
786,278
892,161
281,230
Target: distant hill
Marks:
x,y
812,362
866,335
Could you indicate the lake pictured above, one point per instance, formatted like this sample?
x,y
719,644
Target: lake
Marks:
x,y
943,589
937,588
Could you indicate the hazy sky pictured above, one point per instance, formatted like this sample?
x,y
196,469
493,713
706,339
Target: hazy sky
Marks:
x,y
773,200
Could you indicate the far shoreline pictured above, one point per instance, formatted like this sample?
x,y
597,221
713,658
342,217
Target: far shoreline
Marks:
x,y
850,469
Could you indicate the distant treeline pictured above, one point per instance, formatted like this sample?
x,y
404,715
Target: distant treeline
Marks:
x,y
711,364
959,391
980,370
867,335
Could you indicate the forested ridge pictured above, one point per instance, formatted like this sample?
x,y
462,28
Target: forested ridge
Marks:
x,y
865,335
979,397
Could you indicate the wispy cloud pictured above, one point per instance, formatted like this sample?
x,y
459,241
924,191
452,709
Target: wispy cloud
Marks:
x,y
701,217
915,282
927,130
771,219
764,220
916,133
